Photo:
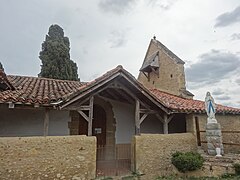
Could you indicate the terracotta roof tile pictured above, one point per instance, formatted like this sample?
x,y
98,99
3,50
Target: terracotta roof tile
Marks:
x,y
33,90
44,91
4,83
188,105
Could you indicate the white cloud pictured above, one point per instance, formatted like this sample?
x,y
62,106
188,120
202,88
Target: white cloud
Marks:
x,y
228,18
106,33
116,6
235,36
212,68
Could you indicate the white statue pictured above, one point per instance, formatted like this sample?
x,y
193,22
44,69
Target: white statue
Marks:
x,y
210,108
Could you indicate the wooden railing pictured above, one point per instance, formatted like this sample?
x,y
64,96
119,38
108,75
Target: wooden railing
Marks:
x,y
199,141
224,143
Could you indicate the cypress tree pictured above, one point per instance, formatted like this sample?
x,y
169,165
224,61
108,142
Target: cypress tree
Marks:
x,y
55,56
1,66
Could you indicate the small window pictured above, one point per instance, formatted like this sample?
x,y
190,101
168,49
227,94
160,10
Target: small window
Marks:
x,y
171,75
153,82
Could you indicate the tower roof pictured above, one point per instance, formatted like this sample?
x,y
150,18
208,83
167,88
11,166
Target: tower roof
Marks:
x,y
151,62
168,51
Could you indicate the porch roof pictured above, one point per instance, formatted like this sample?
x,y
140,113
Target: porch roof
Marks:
x,y
134,87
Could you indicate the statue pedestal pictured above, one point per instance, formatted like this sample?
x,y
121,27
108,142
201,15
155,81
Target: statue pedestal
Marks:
x,y
214,138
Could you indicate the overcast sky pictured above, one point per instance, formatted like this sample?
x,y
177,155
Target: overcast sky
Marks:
x,y
105,33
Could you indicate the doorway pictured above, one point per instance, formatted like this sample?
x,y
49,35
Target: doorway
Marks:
x,y
99,125
112,159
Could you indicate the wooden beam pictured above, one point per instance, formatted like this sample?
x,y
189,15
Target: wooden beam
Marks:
x,y
198,132
124,95
90,117
46,122
148,96
129,92
155,71
114,85
90,89
169,118
133,96
112,94
143,118
76,105
165,124
84,108
160,118
105,94
83,115
148,111
147,75
137,118
165,120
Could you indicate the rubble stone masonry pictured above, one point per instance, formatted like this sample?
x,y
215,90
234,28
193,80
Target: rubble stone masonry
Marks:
x,y
171,78
51,157
153,152
228,123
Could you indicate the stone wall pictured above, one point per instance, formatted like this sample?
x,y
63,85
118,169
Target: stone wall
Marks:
x,y
59,157
153,152
228,123
190,123
171,76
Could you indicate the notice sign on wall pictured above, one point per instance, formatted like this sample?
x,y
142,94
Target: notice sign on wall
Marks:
x,y
98,130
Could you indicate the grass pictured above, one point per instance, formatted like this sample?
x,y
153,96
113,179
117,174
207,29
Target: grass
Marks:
x,y
223,177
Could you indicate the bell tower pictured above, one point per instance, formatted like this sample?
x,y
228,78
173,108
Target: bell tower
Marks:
x,y
163,70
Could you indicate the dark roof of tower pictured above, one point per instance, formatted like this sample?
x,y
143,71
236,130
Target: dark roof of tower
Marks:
x,y
151,61
169,52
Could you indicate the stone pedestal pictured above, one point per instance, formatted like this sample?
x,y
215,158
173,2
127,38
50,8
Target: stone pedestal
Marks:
x,y
214,138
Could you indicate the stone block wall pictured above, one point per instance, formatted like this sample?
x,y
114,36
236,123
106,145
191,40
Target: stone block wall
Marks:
x,y
228,123
171,76
58,157
153,152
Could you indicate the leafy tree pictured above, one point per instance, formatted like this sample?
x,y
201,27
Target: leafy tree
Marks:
x,y
1,66
55,56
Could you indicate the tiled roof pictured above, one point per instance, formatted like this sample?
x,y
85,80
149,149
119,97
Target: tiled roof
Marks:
x,y
33,90
44,91
188,105
4,83
87,88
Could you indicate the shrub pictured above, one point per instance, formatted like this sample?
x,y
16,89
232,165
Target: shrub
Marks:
x,y
188,161
237,168
228,176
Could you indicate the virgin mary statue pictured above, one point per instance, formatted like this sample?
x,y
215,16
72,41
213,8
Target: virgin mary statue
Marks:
x,y
210,108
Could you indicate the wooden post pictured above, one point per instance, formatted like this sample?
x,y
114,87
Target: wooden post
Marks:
x,y
198,131
90,117
165,124
137,118
46,122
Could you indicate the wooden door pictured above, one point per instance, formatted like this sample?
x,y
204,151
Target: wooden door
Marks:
x,y
99,125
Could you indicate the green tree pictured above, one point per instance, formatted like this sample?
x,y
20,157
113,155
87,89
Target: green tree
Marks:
x,y
1,66
55,56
